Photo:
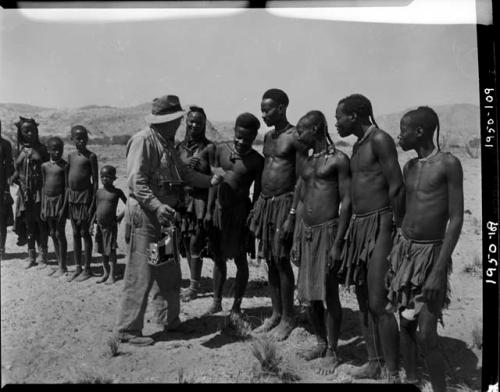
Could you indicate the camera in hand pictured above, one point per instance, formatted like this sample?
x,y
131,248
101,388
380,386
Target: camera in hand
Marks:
x,y
165,250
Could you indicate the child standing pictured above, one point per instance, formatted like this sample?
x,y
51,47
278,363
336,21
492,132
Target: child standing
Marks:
x,y
107,222
80,196
28,175
53,209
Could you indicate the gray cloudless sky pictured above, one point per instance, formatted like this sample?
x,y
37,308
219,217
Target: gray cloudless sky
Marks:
x,y
226,63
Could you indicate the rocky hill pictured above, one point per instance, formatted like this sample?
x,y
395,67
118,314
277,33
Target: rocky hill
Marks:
x,y
459,122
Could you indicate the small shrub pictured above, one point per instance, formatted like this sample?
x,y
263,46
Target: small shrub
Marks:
x,y
112,346
475,268
181,378
473,147
271,363
477,335
90,376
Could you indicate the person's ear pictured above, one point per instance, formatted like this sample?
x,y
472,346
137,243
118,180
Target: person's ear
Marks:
x,y
419,131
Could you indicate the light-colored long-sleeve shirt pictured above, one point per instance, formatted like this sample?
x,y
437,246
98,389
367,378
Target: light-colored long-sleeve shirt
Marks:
x,y
155,172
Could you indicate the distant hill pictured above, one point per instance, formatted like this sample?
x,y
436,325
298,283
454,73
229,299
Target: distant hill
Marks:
x,y
459,122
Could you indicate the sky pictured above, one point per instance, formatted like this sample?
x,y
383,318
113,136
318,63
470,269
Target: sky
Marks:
x,y
226,63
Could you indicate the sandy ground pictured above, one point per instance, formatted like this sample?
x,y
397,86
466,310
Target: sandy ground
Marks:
x,y
56,332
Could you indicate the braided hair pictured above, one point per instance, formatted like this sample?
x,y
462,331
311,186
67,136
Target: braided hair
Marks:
x,y
320,120
19,124
427,118
359,104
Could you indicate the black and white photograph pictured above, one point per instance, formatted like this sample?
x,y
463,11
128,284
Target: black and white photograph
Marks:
x,y
210,192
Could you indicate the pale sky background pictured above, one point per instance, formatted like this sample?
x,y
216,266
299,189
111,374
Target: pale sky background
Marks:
x,y
226,63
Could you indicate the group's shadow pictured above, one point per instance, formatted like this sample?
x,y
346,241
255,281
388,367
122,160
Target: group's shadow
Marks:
x,y
255,288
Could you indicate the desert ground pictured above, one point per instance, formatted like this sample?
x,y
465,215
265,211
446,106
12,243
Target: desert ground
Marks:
x,y
58,332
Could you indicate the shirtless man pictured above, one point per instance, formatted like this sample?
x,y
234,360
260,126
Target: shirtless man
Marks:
x,y
53,210
420,261
270,220
377,194
325,182
107,222
6,171
229,205
192,151
28,175
80,196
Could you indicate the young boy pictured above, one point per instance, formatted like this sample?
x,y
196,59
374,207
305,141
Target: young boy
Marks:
x,y
53,209
325,183
107,222
82,186
420,260
229,205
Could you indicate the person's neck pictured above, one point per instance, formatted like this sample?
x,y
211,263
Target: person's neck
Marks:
x,y
57,160
425,149
82,150
320,146
361,129
281,125
195,140
169,137
109,187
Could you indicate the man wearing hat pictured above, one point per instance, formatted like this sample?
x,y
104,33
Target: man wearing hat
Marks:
x,y
156,177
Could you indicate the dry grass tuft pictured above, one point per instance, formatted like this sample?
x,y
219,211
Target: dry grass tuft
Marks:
x,y
477,335
271,363
475,268
112,347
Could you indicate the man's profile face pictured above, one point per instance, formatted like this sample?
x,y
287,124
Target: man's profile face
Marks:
x,y
344,121
243,139
272,112
195,123
407,138
305,132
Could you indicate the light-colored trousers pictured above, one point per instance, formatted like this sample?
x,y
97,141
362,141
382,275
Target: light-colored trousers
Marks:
x,y
140,277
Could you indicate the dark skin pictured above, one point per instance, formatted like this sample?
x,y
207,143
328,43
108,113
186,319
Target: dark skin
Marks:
x,y
376,183
6,170
54,184
325,184
281,150
37,155
106,204
82,174
434,210
197,158
239,174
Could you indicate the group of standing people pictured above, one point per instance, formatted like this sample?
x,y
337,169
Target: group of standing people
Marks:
x,y
357,220
52,190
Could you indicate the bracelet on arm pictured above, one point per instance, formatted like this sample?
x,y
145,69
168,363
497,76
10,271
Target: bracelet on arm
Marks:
x,y
292,211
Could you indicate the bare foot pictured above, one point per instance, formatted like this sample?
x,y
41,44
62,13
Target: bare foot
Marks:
x,y
86,274
74,275
52,272
327,364
312,353
370,369
283,329
188,294
268,324
103,279
58,273
111,280
214,308
30,265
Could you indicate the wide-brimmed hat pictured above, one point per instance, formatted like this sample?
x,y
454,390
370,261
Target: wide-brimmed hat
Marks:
x,y
165,109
